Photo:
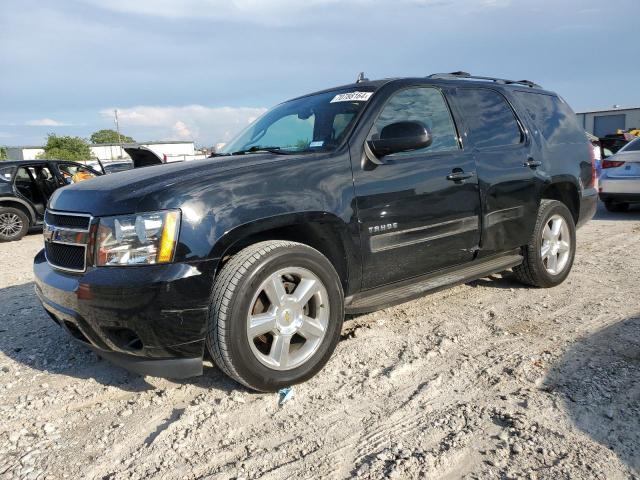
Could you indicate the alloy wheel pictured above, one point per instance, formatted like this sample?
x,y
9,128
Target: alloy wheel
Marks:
x,y
10,224
288,318
556,245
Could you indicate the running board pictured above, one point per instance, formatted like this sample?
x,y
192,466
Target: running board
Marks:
x,y
400,292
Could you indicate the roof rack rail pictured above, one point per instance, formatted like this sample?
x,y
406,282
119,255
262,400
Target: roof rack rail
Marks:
x,y
503,81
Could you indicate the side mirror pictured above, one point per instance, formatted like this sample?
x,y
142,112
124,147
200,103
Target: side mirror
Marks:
x,y
401,137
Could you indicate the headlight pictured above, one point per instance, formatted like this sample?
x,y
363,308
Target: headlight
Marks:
x,y
141,239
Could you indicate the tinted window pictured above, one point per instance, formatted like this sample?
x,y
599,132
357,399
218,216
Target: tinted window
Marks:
x,y
426,105
489,118
552,117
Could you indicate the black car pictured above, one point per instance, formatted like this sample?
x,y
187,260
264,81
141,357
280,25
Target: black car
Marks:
x,y
346,200
25,188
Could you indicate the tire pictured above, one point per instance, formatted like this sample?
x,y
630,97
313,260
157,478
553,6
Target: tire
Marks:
x,y
537,268
245,293
14,224
616,207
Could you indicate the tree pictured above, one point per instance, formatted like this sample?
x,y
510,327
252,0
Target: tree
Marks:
x,y
109,136
66,148
3,153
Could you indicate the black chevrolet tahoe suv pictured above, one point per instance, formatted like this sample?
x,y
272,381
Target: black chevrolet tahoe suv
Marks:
x,y
342,201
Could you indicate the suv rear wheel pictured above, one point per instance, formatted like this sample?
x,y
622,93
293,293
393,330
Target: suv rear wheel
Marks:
x,y
276,315
14,224
549,256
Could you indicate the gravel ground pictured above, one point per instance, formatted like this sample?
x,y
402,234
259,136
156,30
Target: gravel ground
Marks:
x,y
485,380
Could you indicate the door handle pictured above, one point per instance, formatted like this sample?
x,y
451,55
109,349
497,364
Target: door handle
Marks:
x,y
531,163
459,175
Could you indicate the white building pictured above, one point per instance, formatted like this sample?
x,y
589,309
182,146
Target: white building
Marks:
x,y
605,122
23,153
169,151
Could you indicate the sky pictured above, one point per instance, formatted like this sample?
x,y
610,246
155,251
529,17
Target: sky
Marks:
x,y
203,69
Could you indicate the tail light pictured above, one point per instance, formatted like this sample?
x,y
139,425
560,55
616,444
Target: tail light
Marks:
x,y
594,167
612,163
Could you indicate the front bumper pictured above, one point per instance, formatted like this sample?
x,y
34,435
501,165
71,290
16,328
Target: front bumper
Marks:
x,y
151,320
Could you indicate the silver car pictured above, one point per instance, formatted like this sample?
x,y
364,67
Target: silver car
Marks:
x,y
620,178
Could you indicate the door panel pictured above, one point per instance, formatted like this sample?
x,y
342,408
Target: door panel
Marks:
x,y
508,186
413,220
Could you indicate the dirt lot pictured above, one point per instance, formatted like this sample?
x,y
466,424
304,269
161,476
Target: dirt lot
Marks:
x,y
486,380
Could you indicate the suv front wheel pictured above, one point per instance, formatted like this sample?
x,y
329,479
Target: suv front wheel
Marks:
x,y
276,315
549,255
14,224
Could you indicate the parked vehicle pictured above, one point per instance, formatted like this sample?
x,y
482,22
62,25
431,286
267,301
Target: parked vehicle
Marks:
x,y
346,200
620,178
25,188
142,156
615,141
115,167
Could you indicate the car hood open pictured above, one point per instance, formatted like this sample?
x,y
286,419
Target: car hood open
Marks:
x,y
143,157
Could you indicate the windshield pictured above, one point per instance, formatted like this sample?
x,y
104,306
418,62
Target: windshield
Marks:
x,y
308,124
632,146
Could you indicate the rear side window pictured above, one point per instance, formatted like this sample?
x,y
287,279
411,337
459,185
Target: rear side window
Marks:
x,y
422,104
552,117
489,118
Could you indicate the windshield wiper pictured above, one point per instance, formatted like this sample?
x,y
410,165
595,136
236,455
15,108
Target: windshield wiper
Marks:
x,y
258,148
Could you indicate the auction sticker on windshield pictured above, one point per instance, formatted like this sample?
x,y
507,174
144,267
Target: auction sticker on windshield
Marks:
x,y
352,97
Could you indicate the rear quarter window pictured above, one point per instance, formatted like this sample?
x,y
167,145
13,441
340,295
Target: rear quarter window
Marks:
x,y
552,117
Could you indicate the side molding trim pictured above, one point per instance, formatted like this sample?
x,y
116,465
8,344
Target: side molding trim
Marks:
x,y
427,233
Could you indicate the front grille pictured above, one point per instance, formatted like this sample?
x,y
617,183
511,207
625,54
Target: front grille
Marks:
x,y
67,238
68,221
69,257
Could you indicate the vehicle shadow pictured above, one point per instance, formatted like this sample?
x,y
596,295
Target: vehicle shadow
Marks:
x,y
505,280
632,215
29,337
599,379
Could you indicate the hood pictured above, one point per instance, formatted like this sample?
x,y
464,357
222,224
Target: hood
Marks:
x,y
151,188
143,157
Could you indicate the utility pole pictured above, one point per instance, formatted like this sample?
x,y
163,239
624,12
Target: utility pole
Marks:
x,y
118,130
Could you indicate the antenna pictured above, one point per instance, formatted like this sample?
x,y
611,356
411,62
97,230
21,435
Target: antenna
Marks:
x,y
118,130
361,78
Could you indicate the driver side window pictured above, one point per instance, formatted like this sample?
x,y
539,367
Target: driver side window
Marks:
x,y
422,104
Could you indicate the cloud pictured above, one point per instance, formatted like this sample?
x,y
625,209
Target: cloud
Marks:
x,y
274,12
205,125
182,130
46,122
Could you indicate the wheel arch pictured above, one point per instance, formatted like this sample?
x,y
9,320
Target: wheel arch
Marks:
x,y
566,192
13,202
322,231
